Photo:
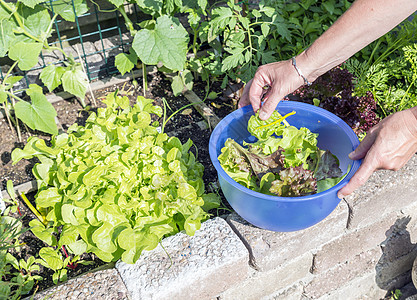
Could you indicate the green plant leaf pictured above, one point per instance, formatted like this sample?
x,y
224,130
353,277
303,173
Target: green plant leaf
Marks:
x,y
116,3
38,115
177,85
39,230
51,76
191,225
102,237
31,3
234,60
221,17
11,80
125,62
6,36
48,197
75,81
151,7
36,21
78,247
134,241
166,44
26,54
329,6
65,8
211,201
52,258
3,96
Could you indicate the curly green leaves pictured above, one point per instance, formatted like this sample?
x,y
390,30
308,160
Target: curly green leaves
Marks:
x,y
285,161
116,185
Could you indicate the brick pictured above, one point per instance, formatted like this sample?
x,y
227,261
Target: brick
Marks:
x,y
384,192
331,280
360,288
202,265
294,292
271,249
264,285
100,285
352,243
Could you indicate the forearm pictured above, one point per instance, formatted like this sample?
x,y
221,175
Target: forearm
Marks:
x,y
364,22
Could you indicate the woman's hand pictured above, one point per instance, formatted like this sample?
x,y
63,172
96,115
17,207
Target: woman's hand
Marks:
x,y
271,83
387,145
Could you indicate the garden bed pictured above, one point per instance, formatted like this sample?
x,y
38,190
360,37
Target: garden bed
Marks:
x,y
185,124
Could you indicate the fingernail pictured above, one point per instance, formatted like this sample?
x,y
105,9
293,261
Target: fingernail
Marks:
x,y
351,155
263,115
341,196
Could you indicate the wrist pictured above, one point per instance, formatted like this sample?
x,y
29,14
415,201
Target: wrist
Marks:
x,y
306,66
414,111
412,123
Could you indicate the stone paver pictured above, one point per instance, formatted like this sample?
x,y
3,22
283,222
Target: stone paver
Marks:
x,y
342,273
100,285
272,249
197,267
360,288
383,193
352,243
266,285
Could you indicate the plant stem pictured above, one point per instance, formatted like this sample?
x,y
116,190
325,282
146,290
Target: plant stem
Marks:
x,y
7,113
89,85
177,111
128,22
195,42
144,79
277,121
34,210
19,134
406,92
10,70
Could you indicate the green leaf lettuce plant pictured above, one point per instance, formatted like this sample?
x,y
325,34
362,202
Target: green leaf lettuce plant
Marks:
x,y
116,186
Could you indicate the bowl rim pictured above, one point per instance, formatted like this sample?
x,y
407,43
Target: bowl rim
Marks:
x,y
293,104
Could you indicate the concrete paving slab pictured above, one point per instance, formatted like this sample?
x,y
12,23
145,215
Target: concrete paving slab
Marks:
x,y
384,192
271,249
100,285
266,285
202,265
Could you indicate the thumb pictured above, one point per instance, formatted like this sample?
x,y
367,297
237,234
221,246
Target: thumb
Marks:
x,y
271,100
363,147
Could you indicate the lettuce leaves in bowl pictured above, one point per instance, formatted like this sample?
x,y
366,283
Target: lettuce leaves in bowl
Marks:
x,y
284,161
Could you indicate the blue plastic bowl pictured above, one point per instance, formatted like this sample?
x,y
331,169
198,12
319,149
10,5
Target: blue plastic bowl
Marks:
x,y
285,213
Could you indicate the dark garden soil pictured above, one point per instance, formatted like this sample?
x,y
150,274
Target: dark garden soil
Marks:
x,y
185,125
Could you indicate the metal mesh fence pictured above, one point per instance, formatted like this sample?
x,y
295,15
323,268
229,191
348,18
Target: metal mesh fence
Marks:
x,y
95,38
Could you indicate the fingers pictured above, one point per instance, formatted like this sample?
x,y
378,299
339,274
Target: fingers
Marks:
x,y
257,90
360,177
244,99
368,165
364,146
271,101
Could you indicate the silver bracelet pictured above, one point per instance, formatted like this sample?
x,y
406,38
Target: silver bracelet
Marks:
x,y
294,63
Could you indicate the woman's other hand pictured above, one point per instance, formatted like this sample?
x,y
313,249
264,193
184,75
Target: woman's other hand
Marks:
x,y
388,145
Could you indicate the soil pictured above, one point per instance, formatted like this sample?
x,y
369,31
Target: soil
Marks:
x,y
185,125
